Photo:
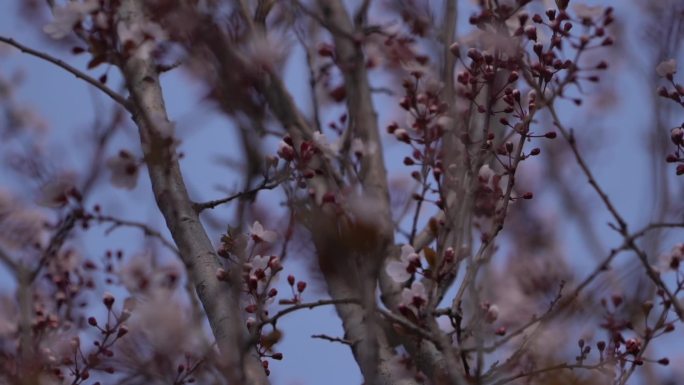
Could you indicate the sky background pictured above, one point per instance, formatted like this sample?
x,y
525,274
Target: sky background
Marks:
x,y
69,107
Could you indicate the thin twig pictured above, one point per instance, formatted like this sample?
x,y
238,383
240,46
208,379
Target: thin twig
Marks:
x,y
265,185
622,225
56,242
308,305
549,369
410,326
332,339
147,230
74,71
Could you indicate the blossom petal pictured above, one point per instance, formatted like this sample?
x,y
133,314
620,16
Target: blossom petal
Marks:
x,y
397,271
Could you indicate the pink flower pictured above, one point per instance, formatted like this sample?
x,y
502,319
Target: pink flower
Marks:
x,y
401,270
260,234
66,17
285,151
124,168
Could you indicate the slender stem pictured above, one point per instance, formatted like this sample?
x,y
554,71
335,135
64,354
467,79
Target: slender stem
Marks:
x,y
73,70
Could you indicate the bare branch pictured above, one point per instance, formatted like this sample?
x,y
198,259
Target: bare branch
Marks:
x,y
308,305
332,339
266,184
74,71
622,225
146,229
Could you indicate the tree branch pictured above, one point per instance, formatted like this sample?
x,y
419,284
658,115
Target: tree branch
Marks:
x,y
308,305
264,185
147,230
220,300
74,71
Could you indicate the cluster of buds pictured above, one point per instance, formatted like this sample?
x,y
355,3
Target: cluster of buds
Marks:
x,y
297,288
677,138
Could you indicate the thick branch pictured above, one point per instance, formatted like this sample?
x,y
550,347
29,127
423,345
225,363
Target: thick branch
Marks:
x,y
220,300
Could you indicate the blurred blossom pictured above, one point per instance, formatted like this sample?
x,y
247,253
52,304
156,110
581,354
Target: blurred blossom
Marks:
x,y
66,17
125,169
55,193
667,68
584,11
166,324
258,233
323,144
19,227
58,345
264,53
135,275
414,296
485,174
64,262
399,270
141,39
672,259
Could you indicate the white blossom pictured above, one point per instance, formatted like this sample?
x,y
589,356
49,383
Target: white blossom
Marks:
x,y
415,296
667,68
399,270
258,233
325,146
166,323
124,169
143,38
67,16
492,313
55,193
485,174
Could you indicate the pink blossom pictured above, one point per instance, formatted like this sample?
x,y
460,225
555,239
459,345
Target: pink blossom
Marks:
x,y
260,234
415,296
667,68
399,270
124,168
67,16
141,38
166,324
485,174
324,145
